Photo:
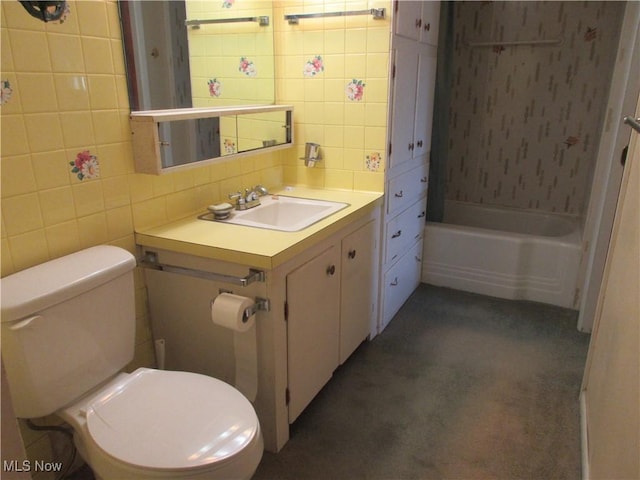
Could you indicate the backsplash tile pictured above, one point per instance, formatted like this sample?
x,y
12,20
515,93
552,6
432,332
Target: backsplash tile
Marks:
x,y
338,100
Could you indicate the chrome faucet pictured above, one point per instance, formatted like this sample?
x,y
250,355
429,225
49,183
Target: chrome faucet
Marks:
x,y
250,198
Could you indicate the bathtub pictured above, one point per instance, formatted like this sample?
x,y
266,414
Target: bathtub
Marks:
x,y
504,252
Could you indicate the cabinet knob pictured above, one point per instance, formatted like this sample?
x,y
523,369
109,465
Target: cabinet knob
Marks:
x,y
395,282
422,214
418,22
397,234
352,254
399,194
419,143
410,146
423,180
331,269
427,26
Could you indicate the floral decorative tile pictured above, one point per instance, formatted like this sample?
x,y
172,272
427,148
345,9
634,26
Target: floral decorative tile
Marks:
x,y
86,165
228,3
373,161
215,87
247,67
229,146
314,66
355,90
6,92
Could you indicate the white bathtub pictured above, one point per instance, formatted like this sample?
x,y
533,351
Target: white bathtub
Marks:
x,y
503,252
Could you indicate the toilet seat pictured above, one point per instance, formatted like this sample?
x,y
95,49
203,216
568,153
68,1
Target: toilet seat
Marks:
x,y
163,420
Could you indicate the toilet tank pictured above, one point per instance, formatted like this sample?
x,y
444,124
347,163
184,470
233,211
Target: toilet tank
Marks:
x,y
67,326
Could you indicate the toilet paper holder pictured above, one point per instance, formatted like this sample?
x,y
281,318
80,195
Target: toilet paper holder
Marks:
x,y
259,304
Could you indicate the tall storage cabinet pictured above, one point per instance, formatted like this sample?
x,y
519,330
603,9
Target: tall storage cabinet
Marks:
x,y
413,73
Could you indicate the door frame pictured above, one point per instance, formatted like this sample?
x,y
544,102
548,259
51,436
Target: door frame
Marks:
x,y
623,95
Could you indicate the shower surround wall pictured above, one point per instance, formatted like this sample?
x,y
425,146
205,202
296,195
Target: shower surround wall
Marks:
x,y
525,120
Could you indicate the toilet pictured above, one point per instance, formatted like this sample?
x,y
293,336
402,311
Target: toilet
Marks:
x,y
68,329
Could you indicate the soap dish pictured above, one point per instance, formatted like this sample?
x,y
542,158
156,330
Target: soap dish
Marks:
x,y
221,210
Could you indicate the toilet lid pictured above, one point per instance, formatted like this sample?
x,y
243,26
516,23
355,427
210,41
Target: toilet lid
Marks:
x,y
171,420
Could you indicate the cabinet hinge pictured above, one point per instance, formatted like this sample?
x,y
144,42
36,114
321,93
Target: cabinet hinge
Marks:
x,y
286,311
389,148
287,396
393,71
395,6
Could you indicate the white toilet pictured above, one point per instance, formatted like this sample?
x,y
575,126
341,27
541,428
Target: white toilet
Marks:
x,y
68,328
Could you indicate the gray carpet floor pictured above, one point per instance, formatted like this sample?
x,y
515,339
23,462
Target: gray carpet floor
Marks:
x,y
458,386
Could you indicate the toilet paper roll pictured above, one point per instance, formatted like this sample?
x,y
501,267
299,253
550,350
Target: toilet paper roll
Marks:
x,y
228,311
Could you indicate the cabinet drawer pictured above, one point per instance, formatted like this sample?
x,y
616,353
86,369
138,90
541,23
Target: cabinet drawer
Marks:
x,y
403,230
400,281
405,188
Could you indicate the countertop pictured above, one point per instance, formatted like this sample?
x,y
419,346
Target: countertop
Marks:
x,y
257,247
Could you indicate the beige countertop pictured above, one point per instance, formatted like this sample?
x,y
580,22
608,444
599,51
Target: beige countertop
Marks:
x,y
257,247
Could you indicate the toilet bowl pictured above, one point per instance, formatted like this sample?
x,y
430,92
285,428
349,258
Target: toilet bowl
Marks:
x,y
68,330
161,424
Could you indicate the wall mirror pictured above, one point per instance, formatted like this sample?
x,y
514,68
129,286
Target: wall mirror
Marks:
x,y
184,54
194,53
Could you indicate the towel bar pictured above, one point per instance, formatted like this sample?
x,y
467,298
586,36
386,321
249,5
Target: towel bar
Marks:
x,y
150,260
377,13
263,21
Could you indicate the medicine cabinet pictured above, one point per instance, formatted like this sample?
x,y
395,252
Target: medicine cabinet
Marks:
x,y
211,134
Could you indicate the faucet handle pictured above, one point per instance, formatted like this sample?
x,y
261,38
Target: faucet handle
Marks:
x,y
261,190
236,196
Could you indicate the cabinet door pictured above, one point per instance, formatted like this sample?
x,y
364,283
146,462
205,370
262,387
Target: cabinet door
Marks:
x,y
405,82
408,20
313,299
430,21
418,20
357,290
425,91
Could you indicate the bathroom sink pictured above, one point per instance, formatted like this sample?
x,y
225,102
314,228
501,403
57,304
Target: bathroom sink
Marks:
x,y
287,214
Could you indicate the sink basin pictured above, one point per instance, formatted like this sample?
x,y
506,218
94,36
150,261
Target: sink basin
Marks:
x,y
287,214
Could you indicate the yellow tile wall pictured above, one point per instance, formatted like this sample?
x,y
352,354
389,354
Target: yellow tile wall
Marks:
x,y
69,94
351,133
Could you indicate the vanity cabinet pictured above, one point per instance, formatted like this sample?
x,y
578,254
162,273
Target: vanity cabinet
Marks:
x,y
417,20
329,309
414,54
321,305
